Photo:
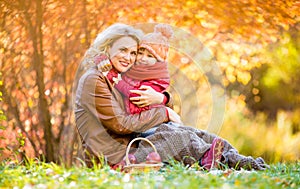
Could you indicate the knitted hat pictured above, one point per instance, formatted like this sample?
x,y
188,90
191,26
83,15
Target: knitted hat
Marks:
x,y
157,43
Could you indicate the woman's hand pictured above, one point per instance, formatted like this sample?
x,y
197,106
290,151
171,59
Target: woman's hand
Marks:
x,y
173,116
148,96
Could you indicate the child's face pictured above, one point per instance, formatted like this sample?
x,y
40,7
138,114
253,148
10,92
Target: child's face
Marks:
x,y
145,57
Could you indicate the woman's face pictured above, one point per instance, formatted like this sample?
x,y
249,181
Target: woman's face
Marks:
x,y
123,53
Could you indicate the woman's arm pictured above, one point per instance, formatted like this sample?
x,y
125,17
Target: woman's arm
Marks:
x,y
148,96
173,116
102,100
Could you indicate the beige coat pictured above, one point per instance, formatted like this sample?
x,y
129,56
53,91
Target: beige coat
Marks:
x,y
104,127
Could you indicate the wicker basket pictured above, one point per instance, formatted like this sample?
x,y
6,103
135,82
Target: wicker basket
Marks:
x,y
140,166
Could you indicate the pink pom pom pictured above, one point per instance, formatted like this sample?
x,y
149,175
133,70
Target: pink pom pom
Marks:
x,y
164,29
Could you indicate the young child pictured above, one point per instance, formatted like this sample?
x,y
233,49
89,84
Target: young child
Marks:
x,y
150,69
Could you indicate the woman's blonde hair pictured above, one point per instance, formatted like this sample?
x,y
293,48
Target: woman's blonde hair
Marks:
x,y
106,38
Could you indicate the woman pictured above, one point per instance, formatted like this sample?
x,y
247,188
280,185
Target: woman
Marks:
x,y
104,126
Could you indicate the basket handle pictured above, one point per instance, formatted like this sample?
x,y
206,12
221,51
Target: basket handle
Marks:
x,y
131,142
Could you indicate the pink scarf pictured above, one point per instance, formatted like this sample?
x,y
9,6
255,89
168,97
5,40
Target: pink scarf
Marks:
x,y
158,70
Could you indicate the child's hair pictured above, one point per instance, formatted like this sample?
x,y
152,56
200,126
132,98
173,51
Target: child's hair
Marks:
x,y
157,43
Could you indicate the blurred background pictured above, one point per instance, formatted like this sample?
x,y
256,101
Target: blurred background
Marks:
x,y
255,44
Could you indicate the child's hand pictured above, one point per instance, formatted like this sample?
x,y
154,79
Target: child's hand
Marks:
x,y
103,63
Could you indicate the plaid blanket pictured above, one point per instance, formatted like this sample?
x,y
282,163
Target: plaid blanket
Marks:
x,y
188,145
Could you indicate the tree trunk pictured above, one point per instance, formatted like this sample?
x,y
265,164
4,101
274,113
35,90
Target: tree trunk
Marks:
x,y
36,35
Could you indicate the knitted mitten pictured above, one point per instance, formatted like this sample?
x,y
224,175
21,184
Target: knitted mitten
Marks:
x,y
103,63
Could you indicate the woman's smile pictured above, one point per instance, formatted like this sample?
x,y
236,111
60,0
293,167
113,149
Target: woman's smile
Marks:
x,y
123,53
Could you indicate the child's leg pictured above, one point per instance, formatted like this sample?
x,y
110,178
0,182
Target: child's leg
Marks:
x,y
148,132
153,129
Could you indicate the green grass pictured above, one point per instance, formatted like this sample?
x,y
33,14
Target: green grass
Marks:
x,y
47,175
